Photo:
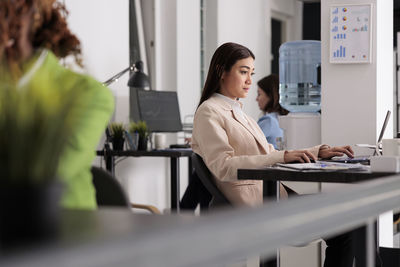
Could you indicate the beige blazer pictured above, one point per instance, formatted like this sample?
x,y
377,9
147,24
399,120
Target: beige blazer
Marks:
x,y
227,142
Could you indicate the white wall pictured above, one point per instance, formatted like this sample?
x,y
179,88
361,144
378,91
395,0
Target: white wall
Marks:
x,y
355,97
177,50
104,35
384,64
188,55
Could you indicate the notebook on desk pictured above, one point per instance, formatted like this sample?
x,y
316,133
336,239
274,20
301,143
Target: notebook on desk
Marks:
x,y
364,159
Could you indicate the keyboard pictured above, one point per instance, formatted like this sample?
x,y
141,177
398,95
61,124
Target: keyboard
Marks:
x,y
359,159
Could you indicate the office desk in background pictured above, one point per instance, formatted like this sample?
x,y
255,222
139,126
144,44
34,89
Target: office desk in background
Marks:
x,y
271,175
174,155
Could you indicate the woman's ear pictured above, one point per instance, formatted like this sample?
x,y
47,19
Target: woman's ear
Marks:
x,y
223,75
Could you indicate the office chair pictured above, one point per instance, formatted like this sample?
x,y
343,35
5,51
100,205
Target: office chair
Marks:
x,y
219,198
109,192
205,176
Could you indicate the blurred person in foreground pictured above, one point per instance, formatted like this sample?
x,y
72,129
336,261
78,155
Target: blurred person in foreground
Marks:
x,y
33,36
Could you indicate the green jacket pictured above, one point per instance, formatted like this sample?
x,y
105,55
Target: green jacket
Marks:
x,y
95,107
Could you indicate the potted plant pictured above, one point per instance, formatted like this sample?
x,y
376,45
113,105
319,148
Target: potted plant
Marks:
x,y
140,127
34,127
117,135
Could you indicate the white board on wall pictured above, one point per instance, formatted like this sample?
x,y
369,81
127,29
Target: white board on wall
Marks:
x,y
350,33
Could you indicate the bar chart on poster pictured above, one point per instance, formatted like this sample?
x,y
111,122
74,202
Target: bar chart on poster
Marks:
x,y
350,33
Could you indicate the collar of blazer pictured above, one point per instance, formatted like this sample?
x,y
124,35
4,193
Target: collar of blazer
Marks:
x,y
248,125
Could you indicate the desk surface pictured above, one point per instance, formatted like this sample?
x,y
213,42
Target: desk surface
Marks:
x,y
283,174
117,237
84,236
271,175
172,153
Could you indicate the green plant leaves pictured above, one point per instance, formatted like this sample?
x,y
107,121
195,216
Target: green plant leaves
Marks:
x,y
117,130
35,123
139,127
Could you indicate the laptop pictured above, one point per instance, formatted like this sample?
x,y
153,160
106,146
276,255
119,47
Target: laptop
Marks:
x,y
365,159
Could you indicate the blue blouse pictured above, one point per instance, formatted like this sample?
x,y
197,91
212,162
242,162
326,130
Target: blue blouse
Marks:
x,y
270,126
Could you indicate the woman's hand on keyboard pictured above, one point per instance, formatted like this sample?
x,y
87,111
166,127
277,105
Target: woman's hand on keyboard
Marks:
x,y
327,152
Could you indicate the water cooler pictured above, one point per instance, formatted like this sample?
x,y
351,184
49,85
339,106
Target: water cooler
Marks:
x,y
300,93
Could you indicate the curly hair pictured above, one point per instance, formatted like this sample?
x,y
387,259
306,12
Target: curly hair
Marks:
x,y
47,29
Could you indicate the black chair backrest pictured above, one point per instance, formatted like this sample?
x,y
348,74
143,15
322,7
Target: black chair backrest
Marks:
x,y
207,179
108,190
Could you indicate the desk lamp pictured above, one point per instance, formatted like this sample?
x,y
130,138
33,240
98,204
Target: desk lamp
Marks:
x,y
138,79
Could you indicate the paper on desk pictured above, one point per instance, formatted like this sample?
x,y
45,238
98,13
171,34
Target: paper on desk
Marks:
x,y
324,165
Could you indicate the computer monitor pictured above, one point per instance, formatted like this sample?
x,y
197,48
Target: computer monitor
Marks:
x,y
160,110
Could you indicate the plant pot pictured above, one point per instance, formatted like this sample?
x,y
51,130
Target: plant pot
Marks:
x,y
142,143
118,144
28,213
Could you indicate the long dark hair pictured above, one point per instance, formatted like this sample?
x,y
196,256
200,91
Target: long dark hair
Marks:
x,y
270,85
223,59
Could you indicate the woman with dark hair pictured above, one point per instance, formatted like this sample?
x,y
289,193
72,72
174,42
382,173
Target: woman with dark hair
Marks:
x,y
227,139
33,35
268,102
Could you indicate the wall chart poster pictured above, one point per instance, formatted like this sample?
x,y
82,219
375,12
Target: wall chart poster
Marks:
x,y
350,34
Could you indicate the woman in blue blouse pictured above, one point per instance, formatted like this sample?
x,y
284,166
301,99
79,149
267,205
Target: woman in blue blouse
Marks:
x,y
268,101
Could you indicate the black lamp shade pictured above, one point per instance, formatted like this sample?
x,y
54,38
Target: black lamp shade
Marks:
x,y
138,79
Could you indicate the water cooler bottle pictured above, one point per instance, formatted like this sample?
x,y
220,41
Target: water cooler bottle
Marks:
x,y
300,93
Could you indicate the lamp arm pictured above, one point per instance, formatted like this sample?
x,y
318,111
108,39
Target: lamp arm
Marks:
x,y
116,76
